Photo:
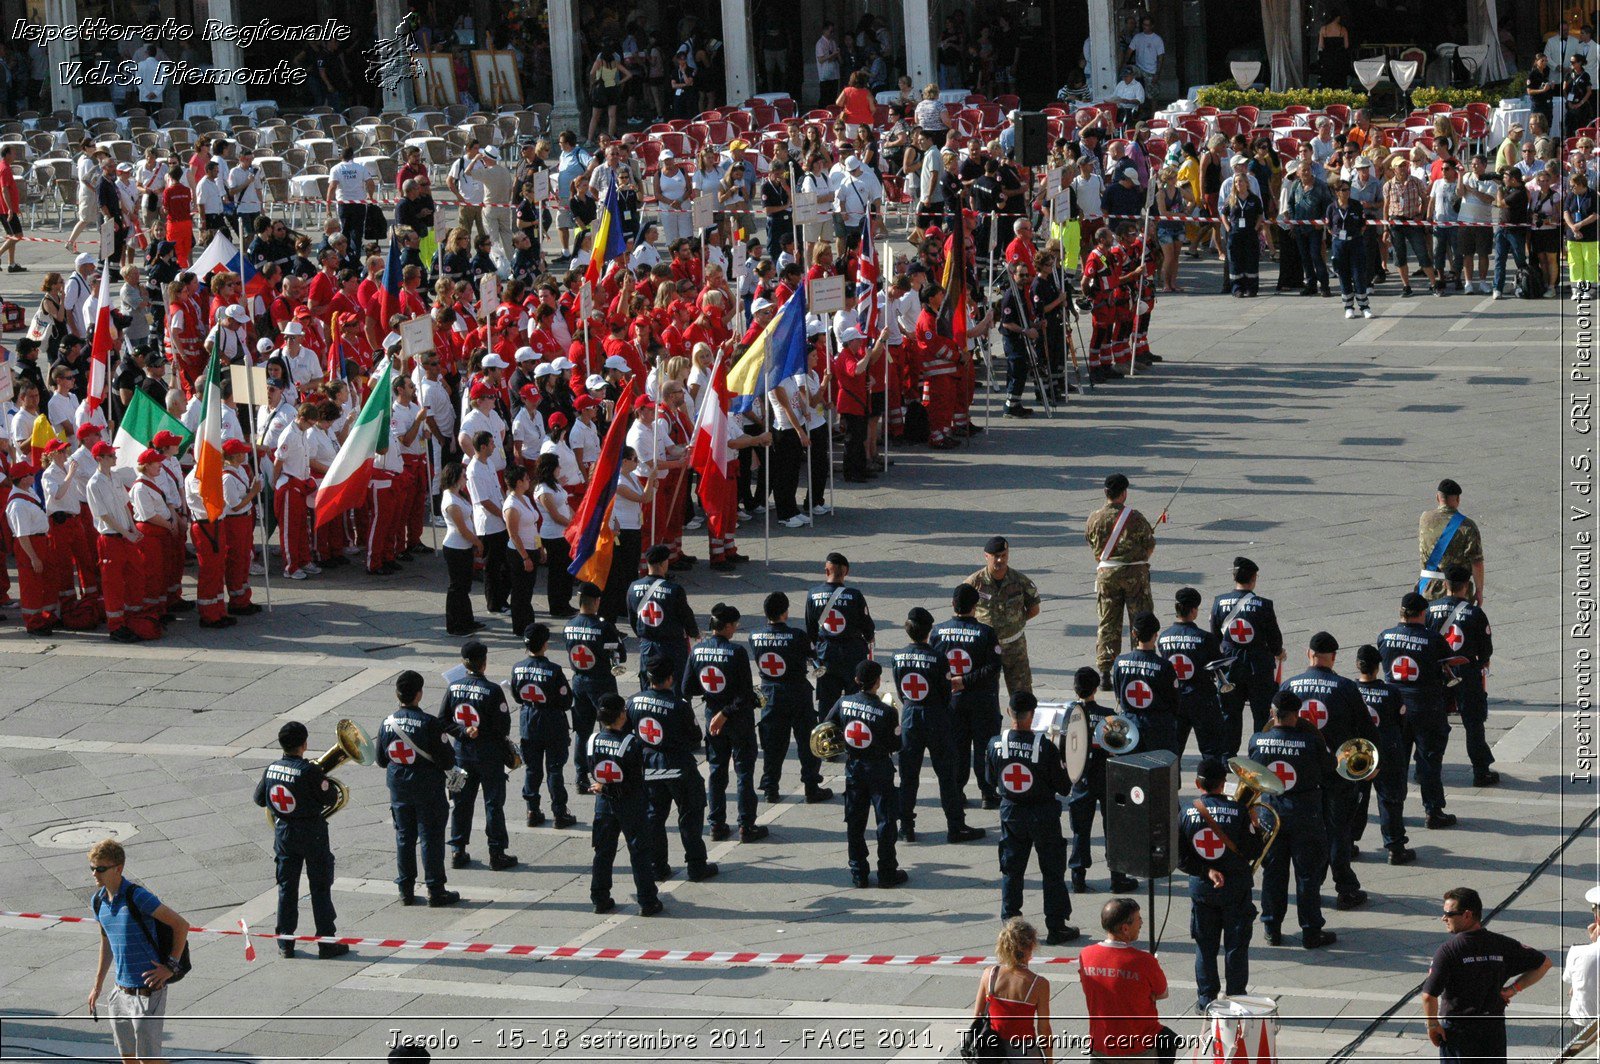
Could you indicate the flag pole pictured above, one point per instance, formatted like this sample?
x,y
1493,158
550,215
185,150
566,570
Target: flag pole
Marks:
x,y
255,460
766,498
988,344
830,406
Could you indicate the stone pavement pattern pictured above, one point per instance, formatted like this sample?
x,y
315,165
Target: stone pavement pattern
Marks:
x,y
1319,441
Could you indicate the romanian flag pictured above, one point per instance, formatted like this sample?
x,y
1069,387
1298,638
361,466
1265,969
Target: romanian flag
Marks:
x,y
208,439
344,488
589,534
43,433
953,314
100,353
777,354
609,241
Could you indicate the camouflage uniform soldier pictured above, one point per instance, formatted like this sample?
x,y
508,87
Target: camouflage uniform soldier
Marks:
x,y
1122,541
1464,546
1007,600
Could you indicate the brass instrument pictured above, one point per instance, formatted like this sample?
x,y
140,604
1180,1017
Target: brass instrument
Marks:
x,y
1257,779
619,669
1117,734
1357,760
350,744
827,741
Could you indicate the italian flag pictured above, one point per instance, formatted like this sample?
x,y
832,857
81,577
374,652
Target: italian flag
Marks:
x,y
208,440
140,423
345,487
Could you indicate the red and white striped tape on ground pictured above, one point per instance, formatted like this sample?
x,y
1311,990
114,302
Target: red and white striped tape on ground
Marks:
x,y
600,953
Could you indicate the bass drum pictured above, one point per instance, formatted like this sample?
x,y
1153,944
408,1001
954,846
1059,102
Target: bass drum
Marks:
x,y
1075,737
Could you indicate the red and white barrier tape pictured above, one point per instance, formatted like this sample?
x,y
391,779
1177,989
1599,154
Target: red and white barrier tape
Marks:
x,y
600,953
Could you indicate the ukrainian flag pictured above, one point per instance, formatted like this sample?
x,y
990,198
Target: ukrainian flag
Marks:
x,y
777,354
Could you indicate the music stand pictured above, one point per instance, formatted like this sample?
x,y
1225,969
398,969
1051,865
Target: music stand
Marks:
x,y
1370,72
1405,75
1244,73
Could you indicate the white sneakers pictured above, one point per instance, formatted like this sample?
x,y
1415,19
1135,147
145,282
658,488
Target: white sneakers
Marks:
x,y
695,522
1497,294
821,510
1367,313
313,568
298,574
1349,312
797,521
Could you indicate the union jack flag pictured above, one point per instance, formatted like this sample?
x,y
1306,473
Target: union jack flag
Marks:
x,y
867,281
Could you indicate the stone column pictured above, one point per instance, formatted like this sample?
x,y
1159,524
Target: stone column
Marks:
x,y
1102,74
62,97
564,67
226,55
738,60
396,95
919,43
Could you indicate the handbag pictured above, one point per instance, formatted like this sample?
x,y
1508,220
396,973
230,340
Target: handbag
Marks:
x,y
980,1042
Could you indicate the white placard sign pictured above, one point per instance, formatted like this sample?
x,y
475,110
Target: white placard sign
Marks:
x,y
489,293
1052,181
825,295
416,335
702,212
249,383
541,185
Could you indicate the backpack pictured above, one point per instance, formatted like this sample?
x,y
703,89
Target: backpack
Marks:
x,y
1530,281
161,941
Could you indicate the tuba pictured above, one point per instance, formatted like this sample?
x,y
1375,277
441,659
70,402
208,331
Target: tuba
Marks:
x,y
1255,779
1356,760
1117,734
827,741
350,744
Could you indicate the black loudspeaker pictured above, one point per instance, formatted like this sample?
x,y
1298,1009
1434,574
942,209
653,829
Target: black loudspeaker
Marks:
x,y
1142,814
1033,139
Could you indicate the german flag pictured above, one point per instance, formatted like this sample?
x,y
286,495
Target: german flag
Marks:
x,y
953,314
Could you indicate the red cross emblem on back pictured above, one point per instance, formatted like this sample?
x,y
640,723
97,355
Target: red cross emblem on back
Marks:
x,y
651,613
914,687
858,735
466,716
1241,631
1315,711
1138,694
1017,778
532,692
833,621
712,680
650,731
1404,669
1208,844
960,661
607,771
1285,772
582,657
400,752
772,664
1454,637
282,799
1182,665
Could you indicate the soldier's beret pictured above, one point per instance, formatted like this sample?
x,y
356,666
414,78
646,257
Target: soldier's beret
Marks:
x,y
1286,701
964,598
1413,603
1458,574
1367,656
919,616
657,554
722,614
1187,598
1116,484
1244,568
1023,702
1212,769
1323,643
1145,625
1448,487
996,545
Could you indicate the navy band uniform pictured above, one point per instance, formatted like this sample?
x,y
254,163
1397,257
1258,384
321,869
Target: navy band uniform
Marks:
x,y
718,672
594,646
540,688
665,724
1294,752
871,732
475,702
782,655
297,794
1217,840
414,752
620,809
971,650
841,631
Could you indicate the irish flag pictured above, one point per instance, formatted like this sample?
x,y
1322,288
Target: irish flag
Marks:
x,y
345,487
208,440
140,423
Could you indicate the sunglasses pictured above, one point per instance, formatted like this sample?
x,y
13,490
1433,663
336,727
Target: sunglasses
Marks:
x,y
101,869
1448,913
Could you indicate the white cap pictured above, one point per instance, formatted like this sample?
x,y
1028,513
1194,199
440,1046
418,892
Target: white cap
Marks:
x,y
124,168
850,333
668,154
526,354
594,381
263,345
853,162
545,369
392,340
1238,160
815,328
563,364
84,259
617,362
238,313
293,328
494,361
1593,896
1292,166
760,303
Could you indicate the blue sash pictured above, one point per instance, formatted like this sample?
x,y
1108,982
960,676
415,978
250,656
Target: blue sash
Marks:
x,y
1437,555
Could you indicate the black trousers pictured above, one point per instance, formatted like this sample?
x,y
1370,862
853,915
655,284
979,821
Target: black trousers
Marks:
x,y
458,594
855,445
495,583
820,459
788,458
624,568
558,589
303,844
521,595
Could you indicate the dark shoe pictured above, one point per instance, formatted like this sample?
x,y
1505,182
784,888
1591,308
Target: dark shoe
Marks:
x,y
1441,820
605,905
249,609
737,557
772,796
992,802
1405,292
700,875
124,635
404,556
1325,292
1062,935
680,565
722,567
720,832
1308,291
286,950
1154,357
565,820
421,548
753,833
181,606
443,899
859,882
965,833
1402,855
499,862
974,430
1274,936
1121,884
389,569
652,908
1318,938
1018,411
1080,881
14,268
908,833
818,794
535,818
892,879
1346,902
1487,779
460,859
331,949
662,874
408,897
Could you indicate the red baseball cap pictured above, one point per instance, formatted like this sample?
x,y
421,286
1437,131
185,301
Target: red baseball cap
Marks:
x,y
88,429
149,456
232,447
103,450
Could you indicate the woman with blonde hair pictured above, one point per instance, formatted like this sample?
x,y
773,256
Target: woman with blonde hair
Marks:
x,y
930,115
1014,998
